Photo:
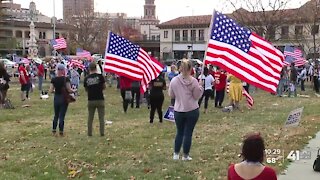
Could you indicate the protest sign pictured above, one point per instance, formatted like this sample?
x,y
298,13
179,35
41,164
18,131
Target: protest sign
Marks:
x,y
169,115
294,118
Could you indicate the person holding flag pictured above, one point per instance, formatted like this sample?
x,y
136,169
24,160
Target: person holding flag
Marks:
x,y
235,91
293,80
131,63
242,53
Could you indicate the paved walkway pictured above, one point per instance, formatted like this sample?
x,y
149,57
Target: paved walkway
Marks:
x,y
302,169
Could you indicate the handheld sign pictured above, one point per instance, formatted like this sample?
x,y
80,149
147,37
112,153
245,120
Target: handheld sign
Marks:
x,y
169,115
294,118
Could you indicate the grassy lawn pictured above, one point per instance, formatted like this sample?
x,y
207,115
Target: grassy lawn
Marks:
x,y
134,149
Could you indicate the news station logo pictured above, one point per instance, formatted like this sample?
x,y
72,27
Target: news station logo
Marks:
x,y
296,155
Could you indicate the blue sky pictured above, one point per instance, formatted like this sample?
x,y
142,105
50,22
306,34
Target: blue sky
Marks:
x,y
166,9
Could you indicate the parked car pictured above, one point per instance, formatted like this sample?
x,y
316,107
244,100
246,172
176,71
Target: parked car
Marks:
x,y
8,63
97,56
10,66
168,62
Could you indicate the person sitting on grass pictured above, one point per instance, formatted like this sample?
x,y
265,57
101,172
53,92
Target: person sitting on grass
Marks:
x,y
251,167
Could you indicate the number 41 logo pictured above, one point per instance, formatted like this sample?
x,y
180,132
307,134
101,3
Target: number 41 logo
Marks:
x,y
294,155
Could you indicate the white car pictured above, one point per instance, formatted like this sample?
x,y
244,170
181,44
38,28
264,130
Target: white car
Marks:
x,y
96,56
8,63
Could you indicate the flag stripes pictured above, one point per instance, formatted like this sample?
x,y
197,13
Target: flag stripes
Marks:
x,y
243,54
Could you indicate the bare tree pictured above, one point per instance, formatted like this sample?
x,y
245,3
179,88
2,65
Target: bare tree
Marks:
x,y
261,16
87,31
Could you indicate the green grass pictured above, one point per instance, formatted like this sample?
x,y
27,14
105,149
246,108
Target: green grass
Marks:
x,y
134,149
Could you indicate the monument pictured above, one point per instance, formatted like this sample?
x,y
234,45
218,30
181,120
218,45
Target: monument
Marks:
x,y
32,42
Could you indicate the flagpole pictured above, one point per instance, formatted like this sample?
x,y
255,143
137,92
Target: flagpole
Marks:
x,y
209,35
107,45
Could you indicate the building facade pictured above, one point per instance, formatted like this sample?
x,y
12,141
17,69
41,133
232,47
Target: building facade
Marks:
x,y
187,36
77,7
15,30
184,37
14,11
14,36
149,21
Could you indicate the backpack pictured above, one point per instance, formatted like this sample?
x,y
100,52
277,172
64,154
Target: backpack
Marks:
x,y
8,104
316,164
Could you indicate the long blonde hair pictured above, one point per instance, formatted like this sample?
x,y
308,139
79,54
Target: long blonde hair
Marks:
x,y
185,67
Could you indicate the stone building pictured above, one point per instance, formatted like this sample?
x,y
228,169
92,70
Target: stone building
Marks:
x,y
15,30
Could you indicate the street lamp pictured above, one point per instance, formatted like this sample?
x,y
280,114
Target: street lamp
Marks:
x,y
191,38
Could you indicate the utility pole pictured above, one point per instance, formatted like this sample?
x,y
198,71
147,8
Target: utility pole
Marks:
x,y
54,19
54,52
314,30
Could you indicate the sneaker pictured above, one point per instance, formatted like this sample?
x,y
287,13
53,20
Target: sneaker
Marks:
x,y
175,156
188,158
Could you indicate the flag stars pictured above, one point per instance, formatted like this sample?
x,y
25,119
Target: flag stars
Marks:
x,y
227,31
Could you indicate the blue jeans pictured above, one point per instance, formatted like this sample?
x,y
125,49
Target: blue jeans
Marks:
x,y
40,80
280,87
60,109
185,123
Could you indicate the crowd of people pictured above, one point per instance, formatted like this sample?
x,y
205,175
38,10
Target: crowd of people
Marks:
x,y
188,87
292,76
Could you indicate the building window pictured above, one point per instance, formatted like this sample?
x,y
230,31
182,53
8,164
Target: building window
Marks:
x,y
18,34
193,35
153,37
285,32
165,34
40,35
201,35
185,35
27,34
315,29
177,35
57,35
44,35
298,30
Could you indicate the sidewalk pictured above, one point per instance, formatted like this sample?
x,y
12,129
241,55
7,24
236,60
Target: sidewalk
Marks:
x,y
302,169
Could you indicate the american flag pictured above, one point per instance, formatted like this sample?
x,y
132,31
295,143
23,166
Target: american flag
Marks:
x,y
58,43
82,53
77,63
293,55
127,59
243,54
250,100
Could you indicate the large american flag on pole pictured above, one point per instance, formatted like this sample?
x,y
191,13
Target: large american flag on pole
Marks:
x,y
127,59
243,53
293,55
58,43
